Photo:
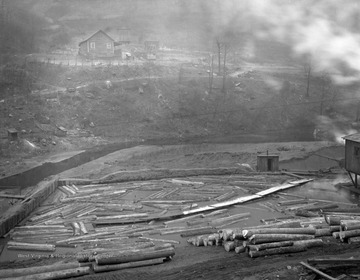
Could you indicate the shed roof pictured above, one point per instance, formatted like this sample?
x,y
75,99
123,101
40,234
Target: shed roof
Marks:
x,y
353,137
100,31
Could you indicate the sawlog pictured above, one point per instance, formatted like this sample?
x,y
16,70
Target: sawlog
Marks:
x,y
141,255
238,234
111,267
323,232
13,245
344,235
322,274
277,251
41,232
216,212
249,233
4,273
160,240
336,219
271,245
39,227
231,245
305,213
85,237
292,174
240,249
200,240
197,231
83,228
335,261
293,202
221,221
183,219
61,274
354,240
332,220
226,234
309,243
76,228
267,238
350,224
12,196
198,222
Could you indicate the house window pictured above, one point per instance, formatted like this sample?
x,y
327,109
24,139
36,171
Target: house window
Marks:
x,y
92,45
357,151
108,46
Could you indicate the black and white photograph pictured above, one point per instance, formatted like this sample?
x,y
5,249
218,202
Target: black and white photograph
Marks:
x,y
179,139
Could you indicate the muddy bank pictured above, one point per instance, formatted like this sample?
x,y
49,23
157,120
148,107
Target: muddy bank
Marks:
x,y
36,174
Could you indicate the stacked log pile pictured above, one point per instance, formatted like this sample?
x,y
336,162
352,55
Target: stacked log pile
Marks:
x,y
277,238
325,220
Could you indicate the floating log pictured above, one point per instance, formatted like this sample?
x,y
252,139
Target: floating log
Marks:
x,y
293,202
183,219
12,196
221,221
271,245
216,212
133,256
37,269
12,245
83,228
267,238
76,228
240,249
249,233
128,216
320,207
305,213
322,274
112,267
277,251
197,231
160,240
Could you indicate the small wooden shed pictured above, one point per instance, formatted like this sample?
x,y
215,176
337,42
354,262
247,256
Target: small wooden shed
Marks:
x,y
267,163
352,156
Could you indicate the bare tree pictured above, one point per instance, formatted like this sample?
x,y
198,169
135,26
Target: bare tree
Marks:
x,y
308,68
211,73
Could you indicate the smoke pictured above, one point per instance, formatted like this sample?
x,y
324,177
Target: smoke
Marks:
x,y
327,129
325,30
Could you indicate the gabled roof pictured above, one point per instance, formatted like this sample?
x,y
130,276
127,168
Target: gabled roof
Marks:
x,y
353,137
100,31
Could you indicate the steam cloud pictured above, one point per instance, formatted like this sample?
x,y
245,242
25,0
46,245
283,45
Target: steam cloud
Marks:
x,y
326,30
